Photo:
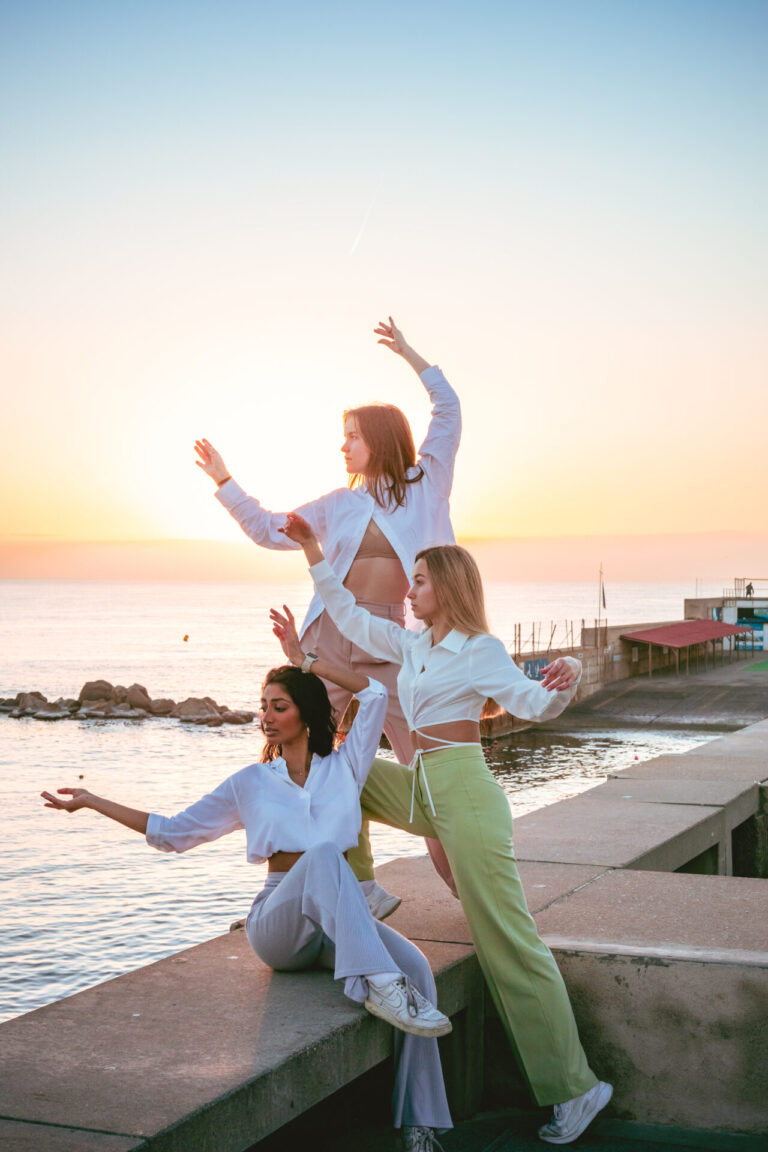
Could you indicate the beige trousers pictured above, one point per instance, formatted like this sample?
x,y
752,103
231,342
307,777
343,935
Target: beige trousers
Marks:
x,y
323,637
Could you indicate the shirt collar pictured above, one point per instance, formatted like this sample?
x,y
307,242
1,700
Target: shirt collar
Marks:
x,y
279,765
454,641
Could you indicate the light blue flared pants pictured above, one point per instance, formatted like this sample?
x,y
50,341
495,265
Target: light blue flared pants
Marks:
x,y
317,915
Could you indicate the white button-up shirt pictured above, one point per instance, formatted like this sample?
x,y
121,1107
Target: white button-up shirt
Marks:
x,y
277,814
339,519
447,681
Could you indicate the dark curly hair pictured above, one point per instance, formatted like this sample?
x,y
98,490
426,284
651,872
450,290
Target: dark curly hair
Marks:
x,y
310,697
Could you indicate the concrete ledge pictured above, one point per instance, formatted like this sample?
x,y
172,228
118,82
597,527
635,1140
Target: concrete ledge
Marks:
x,y
210,1051
603,828
16,1136
207,1050
710,764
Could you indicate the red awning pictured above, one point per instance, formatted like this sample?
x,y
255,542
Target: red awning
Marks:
x,y
685,633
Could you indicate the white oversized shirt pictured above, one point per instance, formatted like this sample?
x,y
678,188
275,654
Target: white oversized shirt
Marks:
x,y
339,518
447,681
277,814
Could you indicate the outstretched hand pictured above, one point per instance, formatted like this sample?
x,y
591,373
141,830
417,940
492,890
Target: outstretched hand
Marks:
x,y
78,797
297,529
392,337
284,627
559,675
210,461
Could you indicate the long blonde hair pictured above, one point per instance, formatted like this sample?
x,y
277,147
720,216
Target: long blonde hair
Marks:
x,y
459,590
458,586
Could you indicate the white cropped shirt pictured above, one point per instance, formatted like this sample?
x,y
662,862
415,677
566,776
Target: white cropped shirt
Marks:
x,y
447,681
339,518
277,814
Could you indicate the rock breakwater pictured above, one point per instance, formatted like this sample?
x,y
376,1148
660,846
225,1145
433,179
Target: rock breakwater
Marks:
x,y
100,700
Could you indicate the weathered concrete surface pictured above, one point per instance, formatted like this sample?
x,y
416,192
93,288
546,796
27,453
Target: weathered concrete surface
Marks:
x,y
203,1051
683,1041
20,1137
739,796
732,695
672,912
708,765
430,913
600,828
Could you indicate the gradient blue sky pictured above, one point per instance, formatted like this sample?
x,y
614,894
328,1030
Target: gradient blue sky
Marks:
x,y
207,207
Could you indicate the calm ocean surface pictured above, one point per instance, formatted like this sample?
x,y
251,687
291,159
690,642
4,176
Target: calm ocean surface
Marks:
x,y
81,899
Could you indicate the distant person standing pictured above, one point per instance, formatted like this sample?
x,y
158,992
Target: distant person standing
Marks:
x,y
396,503
750,589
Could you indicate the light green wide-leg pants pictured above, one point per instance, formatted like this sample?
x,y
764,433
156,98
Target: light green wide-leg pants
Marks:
x,y
474,824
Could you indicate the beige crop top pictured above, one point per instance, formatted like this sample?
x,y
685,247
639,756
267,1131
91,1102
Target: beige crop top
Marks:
x,y
375,546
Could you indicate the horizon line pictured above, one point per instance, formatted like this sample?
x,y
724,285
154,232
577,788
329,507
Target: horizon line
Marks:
x,y
31,539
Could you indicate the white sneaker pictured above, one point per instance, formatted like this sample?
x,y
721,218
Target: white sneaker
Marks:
x,y
572,1117
381,902
400,1003
416,1138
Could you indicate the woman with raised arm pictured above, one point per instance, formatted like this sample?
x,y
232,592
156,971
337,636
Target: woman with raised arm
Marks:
x,y
396,503
300,809
447,672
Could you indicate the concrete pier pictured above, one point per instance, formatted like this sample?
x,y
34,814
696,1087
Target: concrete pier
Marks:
x,y
663,949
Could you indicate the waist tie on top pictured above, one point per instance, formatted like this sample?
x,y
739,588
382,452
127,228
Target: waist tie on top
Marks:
x,y
417,763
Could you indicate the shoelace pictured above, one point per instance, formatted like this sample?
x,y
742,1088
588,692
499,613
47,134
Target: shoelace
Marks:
x,y
411,993
426,1141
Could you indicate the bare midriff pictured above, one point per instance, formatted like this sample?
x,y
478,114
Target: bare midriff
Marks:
x,y
376,575
283,861
435,736
377,581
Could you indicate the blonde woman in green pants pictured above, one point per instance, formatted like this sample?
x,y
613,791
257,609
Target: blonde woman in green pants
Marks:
x,y
447,671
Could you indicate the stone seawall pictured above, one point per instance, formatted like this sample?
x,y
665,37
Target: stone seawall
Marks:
x,y
633,884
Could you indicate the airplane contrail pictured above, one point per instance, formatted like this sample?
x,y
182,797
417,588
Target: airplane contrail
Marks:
x,y
365,219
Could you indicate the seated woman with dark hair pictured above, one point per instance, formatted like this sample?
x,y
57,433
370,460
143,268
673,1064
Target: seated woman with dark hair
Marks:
x,y
300,808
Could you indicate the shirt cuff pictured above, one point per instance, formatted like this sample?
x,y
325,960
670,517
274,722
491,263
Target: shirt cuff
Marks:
x,y
230,494
320,571
153,834
432,375
373,690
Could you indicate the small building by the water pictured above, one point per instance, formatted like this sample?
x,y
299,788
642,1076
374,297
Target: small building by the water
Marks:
x,y
745,604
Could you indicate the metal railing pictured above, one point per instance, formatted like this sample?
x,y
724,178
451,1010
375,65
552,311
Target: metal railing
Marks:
x,y
539,639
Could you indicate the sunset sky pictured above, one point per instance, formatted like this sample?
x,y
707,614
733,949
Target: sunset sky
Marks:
x,y
207,207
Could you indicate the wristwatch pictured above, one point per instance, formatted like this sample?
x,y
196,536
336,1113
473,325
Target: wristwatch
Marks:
x,y
308,661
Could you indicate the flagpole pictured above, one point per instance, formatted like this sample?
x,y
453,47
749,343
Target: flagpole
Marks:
x,y
599,598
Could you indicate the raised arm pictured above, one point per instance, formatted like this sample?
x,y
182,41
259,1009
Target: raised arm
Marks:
x,y
493,673
258,523
392,338
381,638
438,451
284,627
363,737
